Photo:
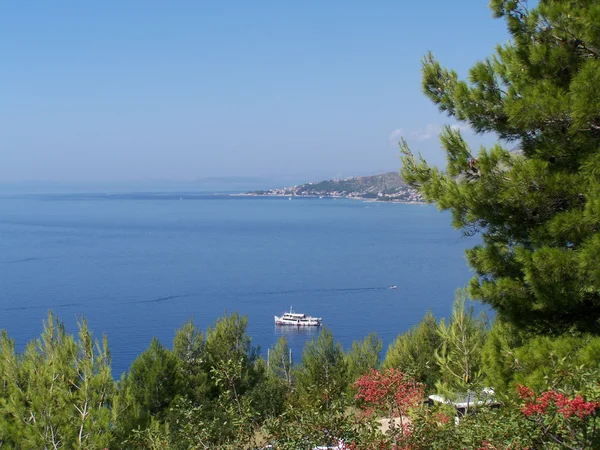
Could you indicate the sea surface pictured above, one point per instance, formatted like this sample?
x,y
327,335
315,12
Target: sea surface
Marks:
x,y
139,265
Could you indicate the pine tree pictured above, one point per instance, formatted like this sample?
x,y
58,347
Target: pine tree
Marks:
x,y
280,361
363,356
146,390
57,394
227,342
535,199
499,357
189,349
218,386
414,352
511,357
322,376
459,355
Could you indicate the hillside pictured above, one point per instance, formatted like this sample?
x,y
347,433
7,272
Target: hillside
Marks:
x,y
387,186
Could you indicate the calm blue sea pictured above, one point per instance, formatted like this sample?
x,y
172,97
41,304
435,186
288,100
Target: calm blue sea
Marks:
x,y
140,265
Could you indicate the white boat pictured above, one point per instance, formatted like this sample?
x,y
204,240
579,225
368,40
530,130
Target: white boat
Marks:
x,y
297,319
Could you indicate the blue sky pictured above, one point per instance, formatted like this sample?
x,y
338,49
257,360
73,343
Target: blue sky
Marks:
x,y
119,91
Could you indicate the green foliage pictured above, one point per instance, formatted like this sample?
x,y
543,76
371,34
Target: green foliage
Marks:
x,y
322,376
227,341
363,356
499,357
236,408
146,390
155,437
562,415
414,352
498,429
389,182
189,350
305,428
280,361
537,206
547,362
459,355
269,395
537,209
60,394
511,357
57,393
223,391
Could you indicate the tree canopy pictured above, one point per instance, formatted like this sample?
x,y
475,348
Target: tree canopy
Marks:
x,y
363,356
413,352
323,372
534,198
57,393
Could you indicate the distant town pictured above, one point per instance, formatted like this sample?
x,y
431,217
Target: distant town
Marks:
x,y
386,187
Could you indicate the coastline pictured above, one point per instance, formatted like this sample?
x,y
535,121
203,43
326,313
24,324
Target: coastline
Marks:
x,y
387,187
363,199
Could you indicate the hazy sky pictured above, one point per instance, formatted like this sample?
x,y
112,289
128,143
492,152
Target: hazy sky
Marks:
x,y
126,90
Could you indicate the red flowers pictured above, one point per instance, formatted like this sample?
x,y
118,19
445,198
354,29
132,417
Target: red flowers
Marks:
x,y
564,405
525,393
391,391
442,418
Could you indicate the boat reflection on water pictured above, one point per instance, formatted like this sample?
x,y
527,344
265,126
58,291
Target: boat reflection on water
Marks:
x,y
293,332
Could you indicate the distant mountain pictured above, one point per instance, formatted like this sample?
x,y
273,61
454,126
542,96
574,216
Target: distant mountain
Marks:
x,y
384,187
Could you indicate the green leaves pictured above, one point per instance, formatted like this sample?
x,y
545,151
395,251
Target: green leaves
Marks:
x,y
532,205
438,84
322,376
413,352
146,390
280,361
585,97
459,355
58,392
363,356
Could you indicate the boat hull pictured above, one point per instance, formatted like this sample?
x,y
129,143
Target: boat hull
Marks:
x,y
309,322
